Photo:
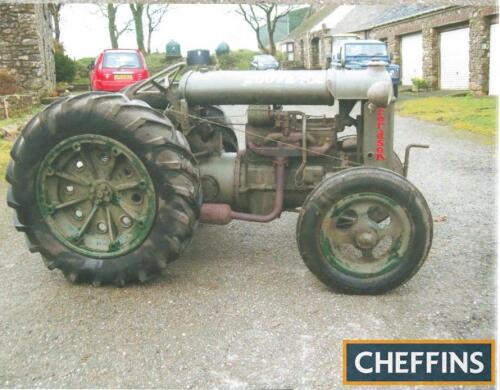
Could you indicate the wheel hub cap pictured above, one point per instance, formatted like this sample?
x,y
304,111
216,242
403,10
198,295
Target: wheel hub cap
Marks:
x,y
101,192
365,234
366,239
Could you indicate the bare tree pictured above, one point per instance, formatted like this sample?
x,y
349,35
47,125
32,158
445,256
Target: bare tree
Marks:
x,y
259,15
137,13
110,11
154,14
55,13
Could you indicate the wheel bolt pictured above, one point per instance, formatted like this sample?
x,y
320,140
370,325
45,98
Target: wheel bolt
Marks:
x,y
126,221
101,226
78,214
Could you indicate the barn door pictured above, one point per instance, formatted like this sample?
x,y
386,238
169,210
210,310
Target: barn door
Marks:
x,y
411,56
454,45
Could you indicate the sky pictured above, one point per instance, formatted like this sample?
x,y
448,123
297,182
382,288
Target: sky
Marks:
x,y
195,26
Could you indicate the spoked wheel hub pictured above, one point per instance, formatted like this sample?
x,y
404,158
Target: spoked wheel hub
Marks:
x,y
96,196
366,240
365,234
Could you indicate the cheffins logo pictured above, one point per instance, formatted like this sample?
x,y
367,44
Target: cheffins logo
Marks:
x,y
418,362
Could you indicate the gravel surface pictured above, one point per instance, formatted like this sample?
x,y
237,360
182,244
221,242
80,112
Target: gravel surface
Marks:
x,y
239,310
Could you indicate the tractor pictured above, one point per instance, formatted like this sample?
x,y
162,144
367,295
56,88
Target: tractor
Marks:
x,y
110,187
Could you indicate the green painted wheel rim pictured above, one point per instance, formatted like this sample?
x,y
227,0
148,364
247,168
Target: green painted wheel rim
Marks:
x,y
96,196
365,235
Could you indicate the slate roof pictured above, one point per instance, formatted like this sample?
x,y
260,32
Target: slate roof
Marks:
x,y
312,21
363,17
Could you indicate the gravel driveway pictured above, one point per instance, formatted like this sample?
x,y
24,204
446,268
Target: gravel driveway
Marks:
x,y
240,310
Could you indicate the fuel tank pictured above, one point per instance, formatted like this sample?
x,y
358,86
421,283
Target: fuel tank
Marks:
x,y
282,87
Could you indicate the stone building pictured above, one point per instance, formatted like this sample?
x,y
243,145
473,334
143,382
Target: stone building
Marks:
x,y
451,47
26,46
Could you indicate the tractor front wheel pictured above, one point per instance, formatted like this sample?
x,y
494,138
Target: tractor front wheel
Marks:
x,y
364,230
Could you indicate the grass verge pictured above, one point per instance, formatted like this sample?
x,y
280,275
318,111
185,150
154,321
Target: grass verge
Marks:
x,y
6,144
474,114
4,157
22,118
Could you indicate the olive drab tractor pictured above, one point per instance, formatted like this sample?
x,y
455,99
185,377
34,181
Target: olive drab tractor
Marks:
x,y
109,187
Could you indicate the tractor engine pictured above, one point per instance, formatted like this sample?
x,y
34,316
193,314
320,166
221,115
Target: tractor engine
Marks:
x,y
287,152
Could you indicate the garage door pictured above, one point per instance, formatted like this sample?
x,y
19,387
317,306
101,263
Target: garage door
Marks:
x,y
494,60
454,63
411,57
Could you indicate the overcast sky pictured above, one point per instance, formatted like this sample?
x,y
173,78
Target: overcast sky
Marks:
x,y
84,30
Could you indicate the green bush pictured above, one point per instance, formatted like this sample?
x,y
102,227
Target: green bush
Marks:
x,y
420,84
65,67
155,62
236,60
82,69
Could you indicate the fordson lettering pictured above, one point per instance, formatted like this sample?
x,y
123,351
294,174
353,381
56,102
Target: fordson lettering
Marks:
x,y
380,133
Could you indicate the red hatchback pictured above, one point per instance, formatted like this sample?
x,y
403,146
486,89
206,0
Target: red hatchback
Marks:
x,y
115,69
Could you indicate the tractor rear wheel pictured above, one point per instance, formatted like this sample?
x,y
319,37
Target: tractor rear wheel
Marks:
x,y
364,230
104,188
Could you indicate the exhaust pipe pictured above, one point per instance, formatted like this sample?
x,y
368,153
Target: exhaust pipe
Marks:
x,y
222,214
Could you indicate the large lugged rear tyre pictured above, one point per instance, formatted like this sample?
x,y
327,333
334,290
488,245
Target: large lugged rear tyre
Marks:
x,y
104,188
364,230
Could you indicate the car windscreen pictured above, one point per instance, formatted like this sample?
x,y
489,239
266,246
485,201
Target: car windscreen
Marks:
x,y
366,50
121,59
266,60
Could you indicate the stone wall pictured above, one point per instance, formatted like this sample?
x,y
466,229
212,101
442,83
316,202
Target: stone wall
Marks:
x,y
26,48
430,60
479,53
306,49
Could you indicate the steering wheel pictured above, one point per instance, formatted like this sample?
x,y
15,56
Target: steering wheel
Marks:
x,y
167,76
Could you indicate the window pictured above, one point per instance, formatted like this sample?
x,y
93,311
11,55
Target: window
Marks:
x,y
366,50
121,59
287,49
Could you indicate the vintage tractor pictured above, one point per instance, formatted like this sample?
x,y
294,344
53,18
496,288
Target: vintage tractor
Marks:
x,y
109,187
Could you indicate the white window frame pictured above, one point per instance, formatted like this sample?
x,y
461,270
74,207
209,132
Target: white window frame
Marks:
x,y
289,51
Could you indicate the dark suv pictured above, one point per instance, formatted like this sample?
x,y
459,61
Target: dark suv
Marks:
x,y
357,54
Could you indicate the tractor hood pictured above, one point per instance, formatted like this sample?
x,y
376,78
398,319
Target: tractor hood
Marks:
x,y
282,87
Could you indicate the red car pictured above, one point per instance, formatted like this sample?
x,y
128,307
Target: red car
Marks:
x,y
115,69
